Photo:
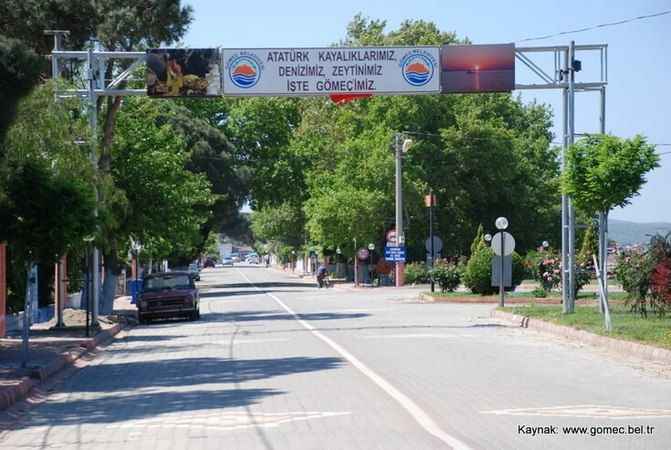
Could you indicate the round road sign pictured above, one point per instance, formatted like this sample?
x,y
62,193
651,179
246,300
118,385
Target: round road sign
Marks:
x,y
508,243
437,244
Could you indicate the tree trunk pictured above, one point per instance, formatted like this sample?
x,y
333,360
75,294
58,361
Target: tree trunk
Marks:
x,y
109,285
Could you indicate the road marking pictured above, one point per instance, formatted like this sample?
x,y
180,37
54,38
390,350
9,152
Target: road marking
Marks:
x,y
223,420
420,416
587,411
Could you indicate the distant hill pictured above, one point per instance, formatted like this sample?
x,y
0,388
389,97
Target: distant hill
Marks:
x,y
629,233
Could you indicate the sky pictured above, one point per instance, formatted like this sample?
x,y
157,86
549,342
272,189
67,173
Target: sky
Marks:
x,y
638,98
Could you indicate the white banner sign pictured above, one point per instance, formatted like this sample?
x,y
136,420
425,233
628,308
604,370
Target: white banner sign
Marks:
x,y
324,71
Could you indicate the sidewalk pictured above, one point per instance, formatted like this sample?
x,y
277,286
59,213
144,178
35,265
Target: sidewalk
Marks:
x,y
52,349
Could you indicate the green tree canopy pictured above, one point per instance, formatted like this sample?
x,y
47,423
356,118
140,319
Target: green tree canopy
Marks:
x,y
604,171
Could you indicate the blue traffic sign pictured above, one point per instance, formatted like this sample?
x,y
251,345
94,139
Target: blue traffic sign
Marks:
x,y
394,253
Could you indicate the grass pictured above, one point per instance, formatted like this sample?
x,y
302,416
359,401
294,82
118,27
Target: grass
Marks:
x,y
626,325
530,295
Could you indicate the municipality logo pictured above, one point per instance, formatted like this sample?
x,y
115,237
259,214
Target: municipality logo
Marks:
x,y
244,70
418,67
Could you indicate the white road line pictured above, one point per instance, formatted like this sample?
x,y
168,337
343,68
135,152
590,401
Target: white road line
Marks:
x,y
420,416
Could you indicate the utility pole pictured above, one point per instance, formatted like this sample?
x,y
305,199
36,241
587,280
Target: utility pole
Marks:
x,y
400,237
93,124
571,209
603,215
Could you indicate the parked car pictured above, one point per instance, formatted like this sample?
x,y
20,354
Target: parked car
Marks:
x,y
227,261
194,270
252,258
168,294
235,257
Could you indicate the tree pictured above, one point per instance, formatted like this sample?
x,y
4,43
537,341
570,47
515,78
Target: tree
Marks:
x,y
20,69
159,202
49,200
604,171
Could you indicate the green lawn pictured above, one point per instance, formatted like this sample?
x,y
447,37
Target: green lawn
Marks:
x,y
626,325
530,295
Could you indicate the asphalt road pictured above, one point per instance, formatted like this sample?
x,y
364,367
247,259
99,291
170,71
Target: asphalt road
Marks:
x,y
276,363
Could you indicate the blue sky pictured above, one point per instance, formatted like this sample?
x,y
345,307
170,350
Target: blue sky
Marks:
x,y
638,94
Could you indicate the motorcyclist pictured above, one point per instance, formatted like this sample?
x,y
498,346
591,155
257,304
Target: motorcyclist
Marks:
x,y
322,272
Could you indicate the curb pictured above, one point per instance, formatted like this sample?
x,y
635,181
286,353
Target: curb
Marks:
x,y
624,348
11,394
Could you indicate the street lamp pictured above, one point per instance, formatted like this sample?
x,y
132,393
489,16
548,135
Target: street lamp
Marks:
x,y
501,223
371,247
400,148
488,237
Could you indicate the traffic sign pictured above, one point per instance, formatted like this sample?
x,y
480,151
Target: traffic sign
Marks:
x,y
508,243
394,253
437,244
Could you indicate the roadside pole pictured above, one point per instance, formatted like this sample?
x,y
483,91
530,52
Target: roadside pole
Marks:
x,y
502,290
571,208
603,216
93,124
3,287
400,237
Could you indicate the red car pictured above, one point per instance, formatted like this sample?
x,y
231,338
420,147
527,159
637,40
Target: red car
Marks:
x,y
168,294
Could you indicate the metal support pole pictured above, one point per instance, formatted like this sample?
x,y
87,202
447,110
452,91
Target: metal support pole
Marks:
x,y
400,238
565,286
603,217
3,288
502,289
356,264
58,293
433,254
571,211
31,287
93,124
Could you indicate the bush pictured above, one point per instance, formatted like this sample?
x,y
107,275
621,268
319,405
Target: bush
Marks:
x,y
447,275
478,274
646,276
416,272
539,293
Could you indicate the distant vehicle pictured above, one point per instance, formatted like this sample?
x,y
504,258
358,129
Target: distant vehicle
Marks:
x,y
252,258
168,294
227,261
194,270
235,257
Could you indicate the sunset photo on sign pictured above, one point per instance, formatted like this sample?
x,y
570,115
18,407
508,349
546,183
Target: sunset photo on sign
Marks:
x,y
477,68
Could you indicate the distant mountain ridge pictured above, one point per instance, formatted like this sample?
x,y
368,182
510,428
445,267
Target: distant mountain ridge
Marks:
x,y
629,233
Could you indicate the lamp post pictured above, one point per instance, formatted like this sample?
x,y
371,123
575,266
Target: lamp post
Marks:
x,y
401,147
430,202
338,258
501,224
371,247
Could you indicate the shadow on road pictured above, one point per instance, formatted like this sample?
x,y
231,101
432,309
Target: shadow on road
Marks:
x,y
172,388
189,372
121,408
248,316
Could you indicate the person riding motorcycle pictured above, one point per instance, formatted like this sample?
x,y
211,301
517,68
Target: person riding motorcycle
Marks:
x,y
322,272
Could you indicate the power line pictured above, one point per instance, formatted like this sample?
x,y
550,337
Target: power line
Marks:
x,y
594,27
